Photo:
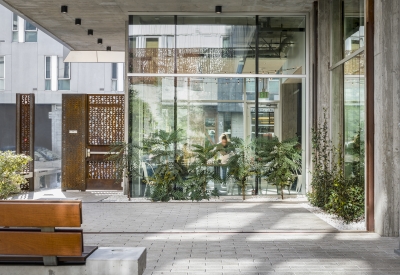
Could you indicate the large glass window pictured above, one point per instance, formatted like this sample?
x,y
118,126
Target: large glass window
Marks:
x,y
348,91
187,73
2,73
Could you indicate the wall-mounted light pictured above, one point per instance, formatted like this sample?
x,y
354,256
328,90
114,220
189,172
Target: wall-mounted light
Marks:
x,y
99,41
218,9
64,9
109,48
78,21
90,32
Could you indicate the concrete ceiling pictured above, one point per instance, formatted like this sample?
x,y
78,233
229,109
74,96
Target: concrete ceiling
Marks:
x,y
107,17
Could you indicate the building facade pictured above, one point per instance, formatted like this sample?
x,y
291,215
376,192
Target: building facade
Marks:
x,y
33,62
276,68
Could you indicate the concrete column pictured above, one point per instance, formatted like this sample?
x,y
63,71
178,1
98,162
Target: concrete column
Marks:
x,y
289,110
324,56
387,117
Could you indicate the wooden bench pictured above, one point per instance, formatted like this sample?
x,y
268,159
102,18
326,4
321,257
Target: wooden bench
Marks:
x,y
30,232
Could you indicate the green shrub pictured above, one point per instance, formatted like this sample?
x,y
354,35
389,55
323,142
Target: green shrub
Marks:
x,y
10,178
333,190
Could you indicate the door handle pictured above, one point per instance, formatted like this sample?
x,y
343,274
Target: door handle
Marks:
x,y
87,152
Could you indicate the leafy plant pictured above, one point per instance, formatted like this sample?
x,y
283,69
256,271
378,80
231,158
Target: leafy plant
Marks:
x,y
242,162
283,163
169,161
324,166
200,173
332,190
11,166
346,199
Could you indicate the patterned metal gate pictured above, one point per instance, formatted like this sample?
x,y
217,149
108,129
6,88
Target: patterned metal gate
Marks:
x,y
106,117
26,134
91,124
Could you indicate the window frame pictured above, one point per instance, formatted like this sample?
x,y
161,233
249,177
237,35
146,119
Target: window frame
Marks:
x,y
14,31
30,31
4,73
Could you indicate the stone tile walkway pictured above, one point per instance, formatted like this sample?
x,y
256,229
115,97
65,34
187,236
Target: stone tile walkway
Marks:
x,y
237,238
260,253
200,217
232,238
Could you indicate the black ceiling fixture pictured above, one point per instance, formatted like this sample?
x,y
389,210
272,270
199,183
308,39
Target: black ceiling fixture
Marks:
x,y
78,21
90,32
218,9
99,41
64,9
108,48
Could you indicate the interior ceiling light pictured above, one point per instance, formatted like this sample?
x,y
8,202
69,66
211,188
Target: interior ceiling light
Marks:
x,y
64,9
108,48
78,21
90,32
99,41
218,9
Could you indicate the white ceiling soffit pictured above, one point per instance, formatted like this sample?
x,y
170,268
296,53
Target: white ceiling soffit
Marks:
x,y
95,57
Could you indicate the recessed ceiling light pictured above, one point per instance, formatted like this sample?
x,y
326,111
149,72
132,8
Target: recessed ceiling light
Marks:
x,y
99,41
218,9
108,48
64,9
78,21
90,32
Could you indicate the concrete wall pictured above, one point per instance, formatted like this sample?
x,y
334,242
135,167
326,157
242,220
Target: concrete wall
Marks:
x,y
324,48
387,117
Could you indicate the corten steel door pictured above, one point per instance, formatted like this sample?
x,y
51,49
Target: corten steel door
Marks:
x,y
26,134
91,124
74,125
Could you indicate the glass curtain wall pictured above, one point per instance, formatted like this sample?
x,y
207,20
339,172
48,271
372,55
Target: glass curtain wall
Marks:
x,y
348,78
216,75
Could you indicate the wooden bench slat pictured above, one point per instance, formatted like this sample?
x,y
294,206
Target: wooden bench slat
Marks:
x,y
41,243
41,214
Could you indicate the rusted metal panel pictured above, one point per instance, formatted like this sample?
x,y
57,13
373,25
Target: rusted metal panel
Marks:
x,y
370,116
26,133
74,125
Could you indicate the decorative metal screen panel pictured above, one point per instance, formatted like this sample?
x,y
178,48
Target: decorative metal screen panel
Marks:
x,y
73,142
106,119
102,170
25,134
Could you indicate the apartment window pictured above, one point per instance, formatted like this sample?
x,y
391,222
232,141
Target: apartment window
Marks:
x,y
64,74
30,32
114,77
47,73
15,28
2,73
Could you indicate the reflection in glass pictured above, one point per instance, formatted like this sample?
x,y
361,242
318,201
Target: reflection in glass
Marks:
x,y
282,45
354,113
353,27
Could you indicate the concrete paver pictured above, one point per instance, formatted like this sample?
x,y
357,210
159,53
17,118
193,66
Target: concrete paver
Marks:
x,y
236,238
